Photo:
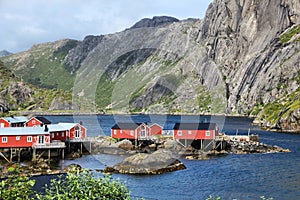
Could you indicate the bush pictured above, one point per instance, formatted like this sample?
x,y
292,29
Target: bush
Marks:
x,y
17,186
84,186
81,185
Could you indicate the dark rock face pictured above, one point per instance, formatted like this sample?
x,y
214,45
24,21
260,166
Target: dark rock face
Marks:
x,y
160,89
80,52
19,91
154,22
159,162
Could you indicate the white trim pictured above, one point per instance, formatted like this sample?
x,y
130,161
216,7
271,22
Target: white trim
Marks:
x,y
179,133
29,138
18,137
4,140
207,133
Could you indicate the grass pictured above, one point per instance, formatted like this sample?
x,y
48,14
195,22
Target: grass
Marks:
x,y
286,37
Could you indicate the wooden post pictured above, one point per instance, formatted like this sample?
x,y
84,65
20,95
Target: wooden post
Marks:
x,y
80,148
11,152
185,143
49,155
63,155
90,147
33,154
19,155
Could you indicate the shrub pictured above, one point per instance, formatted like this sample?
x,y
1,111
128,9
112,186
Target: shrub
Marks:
x,y
84,186
17,186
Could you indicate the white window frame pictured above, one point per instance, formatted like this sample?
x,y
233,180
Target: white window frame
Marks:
x,y
2,125
63,134
190,132
77,132
207,133
18,137
179,133
52,134
132,133
115,132
4,139
29,138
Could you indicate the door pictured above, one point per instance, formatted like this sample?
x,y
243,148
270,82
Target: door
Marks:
x,y
41,139
143,132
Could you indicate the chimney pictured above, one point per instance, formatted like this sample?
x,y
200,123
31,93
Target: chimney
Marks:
x,y
46,128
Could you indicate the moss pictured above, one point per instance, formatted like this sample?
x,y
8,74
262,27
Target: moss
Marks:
x,y
286,37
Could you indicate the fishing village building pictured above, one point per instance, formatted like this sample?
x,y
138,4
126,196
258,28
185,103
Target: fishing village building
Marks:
x,y
12,121
135,131
198,135
37,121
39,134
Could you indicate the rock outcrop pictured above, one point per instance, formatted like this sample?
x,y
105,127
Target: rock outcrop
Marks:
x,y
159,162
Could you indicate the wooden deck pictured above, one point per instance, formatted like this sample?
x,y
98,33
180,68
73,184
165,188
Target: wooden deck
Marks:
x,y
52,145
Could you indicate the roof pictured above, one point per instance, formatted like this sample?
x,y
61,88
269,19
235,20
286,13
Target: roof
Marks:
x,y
195,126
17,119
37,130
61,126
127,126
42,119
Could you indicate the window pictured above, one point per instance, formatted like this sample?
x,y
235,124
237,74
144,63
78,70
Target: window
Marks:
x,y
190,132
115,132
52,135
132,133
1,125
207,133
121,131
63,134
77,131
18,137
4,139
179,133
29,138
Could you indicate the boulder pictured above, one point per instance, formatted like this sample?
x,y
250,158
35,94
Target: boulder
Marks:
x,y
159,162
125,144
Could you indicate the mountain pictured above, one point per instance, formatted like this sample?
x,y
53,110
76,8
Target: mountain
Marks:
x,y
4,53
242,58
17,96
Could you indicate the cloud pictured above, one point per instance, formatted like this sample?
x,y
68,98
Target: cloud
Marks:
x,y
24,23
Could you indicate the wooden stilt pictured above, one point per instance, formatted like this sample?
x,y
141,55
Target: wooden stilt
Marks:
x,y
19,155
63,155
33,154
49,156
11,152
90,147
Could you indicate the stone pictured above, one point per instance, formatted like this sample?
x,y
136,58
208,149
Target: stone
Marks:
x,y
159,162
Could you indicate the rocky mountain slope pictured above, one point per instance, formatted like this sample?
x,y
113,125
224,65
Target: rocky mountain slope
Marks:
x,y
16,96
243,56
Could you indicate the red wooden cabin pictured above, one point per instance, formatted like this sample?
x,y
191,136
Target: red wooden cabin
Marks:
x,y
19,137
37,121
67,131
140,131
195,131
13,121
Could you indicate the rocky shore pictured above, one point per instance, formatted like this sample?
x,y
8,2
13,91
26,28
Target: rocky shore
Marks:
x,y
148,158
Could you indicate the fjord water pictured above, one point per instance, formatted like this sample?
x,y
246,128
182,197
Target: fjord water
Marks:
x,y
230,177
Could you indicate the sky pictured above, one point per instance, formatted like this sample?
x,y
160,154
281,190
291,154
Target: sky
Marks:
x,y
25,23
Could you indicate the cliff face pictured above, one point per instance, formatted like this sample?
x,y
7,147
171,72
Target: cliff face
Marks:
x,y
241,57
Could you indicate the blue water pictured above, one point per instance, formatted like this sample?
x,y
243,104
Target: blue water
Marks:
x,y
230,177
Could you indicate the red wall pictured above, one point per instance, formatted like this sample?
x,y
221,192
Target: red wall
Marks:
x,y
6,124
71,133
32,122
194,134
122,134
59,135
13,142
155,130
